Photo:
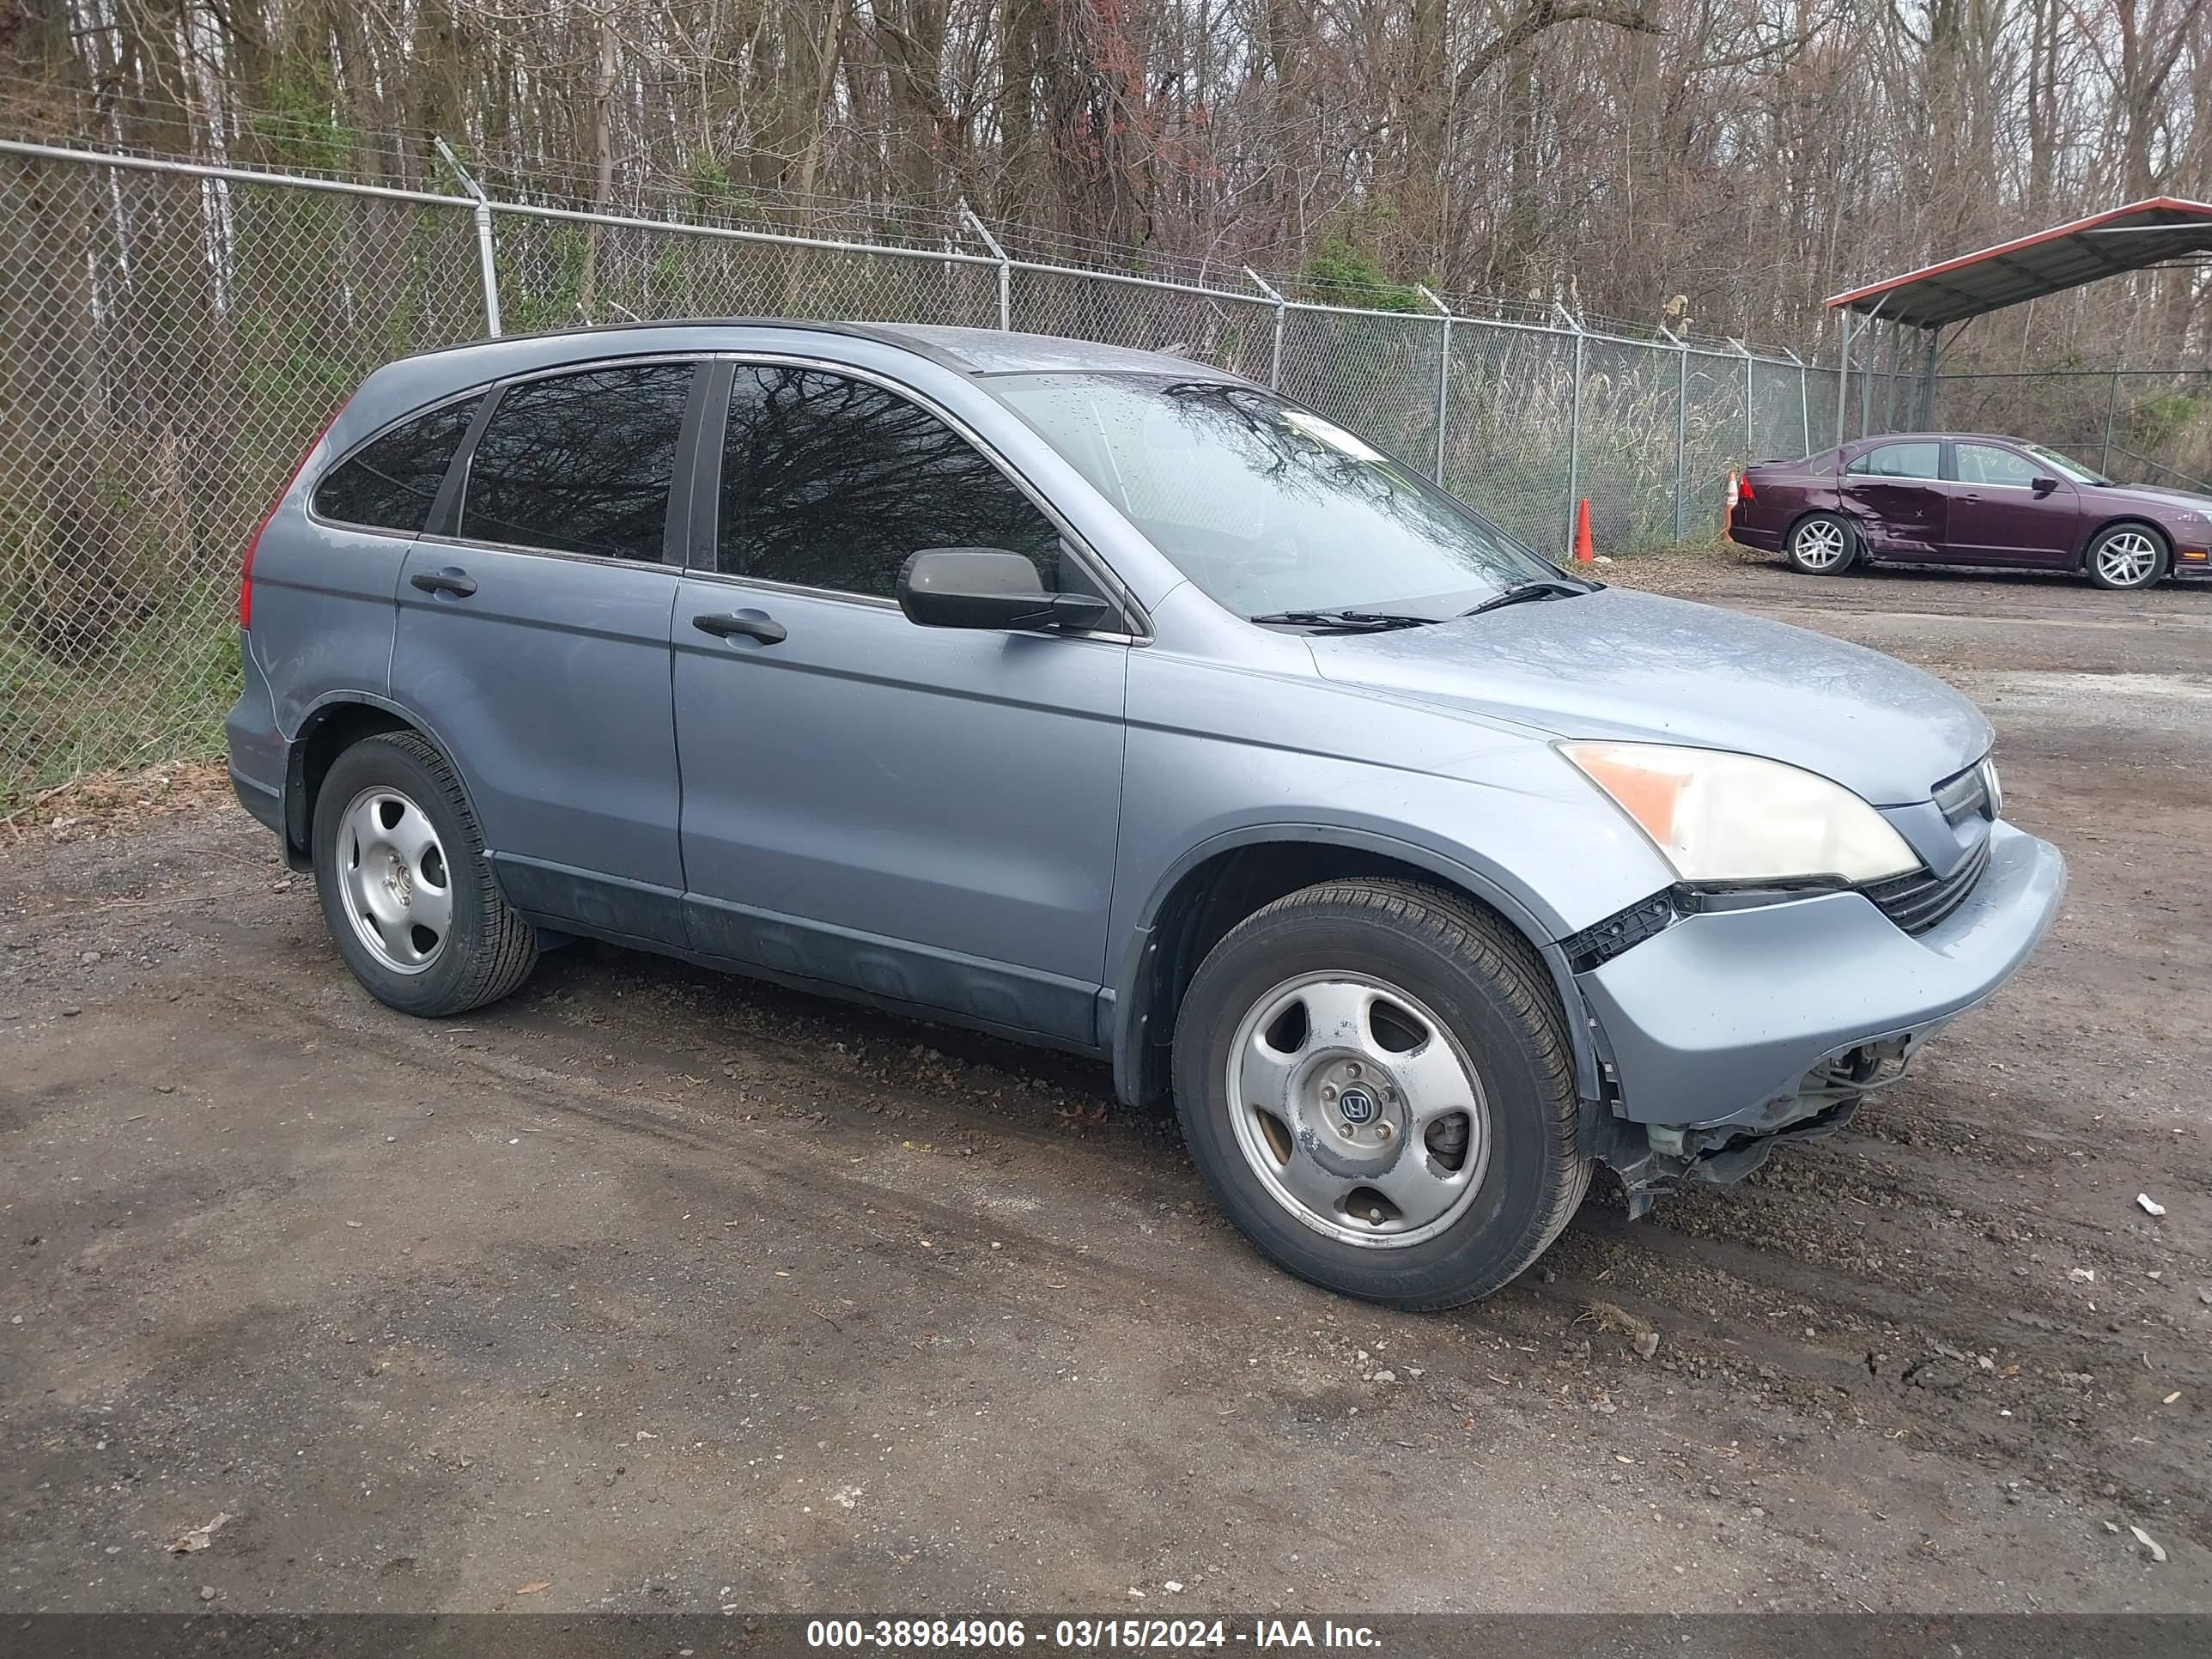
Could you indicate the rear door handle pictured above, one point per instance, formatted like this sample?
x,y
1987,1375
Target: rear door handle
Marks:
x,y
766,629
459,583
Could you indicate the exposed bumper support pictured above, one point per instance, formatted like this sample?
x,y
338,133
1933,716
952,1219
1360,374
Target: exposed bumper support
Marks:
x,y
1719,1021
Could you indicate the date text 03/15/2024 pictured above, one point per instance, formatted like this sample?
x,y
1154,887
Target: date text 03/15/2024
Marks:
x,y
1085,1635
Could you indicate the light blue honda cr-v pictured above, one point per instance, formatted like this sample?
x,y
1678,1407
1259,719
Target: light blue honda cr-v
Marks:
x,y
1105,701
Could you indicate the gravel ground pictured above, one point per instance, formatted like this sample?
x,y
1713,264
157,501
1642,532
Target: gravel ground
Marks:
x,y
651,1288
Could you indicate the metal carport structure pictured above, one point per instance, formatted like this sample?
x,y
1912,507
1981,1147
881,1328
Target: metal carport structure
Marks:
x,y
2161,230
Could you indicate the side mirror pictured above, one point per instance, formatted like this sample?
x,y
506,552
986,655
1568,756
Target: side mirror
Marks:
x,y
2042,486
987,587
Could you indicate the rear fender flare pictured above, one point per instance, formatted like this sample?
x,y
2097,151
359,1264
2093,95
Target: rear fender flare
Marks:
x,y
298,828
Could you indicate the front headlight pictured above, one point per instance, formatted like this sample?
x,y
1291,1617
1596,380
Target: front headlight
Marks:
x,y
1717,817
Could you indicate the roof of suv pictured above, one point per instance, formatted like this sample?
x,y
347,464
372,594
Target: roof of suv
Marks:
x,y
971,351
997,351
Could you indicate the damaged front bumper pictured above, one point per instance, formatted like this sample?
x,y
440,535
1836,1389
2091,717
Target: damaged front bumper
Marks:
x,y
1731,1032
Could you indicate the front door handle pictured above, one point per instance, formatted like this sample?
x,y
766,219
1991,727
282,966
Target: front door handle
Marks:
x,y
766,629
459,583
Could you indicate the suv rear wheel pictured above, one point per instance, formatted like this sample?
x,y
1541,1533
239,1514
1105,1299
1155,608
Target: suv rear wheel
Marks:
x,y
1375,1081
407,893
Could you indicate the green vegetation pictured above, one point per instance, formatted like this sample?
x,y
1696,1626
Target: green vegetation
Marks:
x,y
1342,272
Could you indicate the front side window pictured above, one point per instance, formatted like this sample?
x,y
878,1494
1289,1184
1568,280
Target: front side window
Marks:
x,y
1264,506
1900,461
580,463
389,484
833,483
1985,464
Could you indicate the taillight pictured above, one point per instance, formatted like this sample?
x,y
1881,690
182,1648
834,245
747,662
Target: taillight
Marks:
x,y
1743,488
253,542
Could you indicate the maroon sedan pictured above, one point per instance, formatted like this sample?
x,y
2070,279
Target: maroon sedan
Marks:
x,y
1967,498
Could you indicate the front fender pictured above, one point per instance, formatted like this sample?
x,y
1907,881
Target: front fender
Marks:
x,y
1130,992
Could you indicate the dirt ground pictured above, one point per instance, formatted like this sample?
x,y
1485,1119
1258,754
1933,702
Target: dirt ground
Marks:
x,y
652,1289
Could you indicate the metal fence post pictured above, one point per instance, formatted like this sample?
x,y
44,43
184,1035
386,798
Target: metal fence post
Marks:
x,y
2111,402
487,271
1804,401
1005,265
1444,378
1681,418
1275,360
1574,429
1750,405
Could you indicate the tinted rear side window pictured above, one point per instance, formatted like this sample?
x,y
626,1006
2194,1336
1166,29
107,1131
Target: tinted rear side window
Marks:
x,y
390,484
580,463
830,481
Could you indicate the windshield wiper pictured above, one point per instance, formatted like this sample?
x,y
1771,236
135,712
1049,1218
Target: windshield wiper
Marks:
x,y
1545,587
1348,622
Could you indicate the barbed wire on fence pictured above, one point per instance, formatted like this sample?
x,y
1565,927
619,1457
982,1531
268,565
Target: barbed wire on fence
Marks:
x,y
179,332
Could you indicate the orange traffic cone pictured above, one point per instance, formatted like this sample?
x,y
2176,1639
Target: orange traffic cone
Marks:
x,y
1583,553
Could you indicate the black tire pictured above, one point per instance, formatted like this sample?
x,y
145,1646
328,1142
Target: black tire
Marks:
x,y
1809,546
486,950
2101,557
1487,989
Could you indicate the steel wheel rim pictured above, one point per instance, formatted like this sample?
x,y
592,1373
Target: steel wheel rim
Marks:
x,y
394,880
1820,544
1371,1126
2127,559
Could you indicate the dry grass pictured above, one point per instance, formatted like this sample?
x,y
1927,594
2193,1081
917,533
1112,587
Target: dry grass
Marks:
x,y
117,803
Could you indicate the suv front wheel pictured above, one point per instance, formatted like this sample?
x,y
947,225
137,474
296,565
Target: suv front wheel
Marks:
x,y
407,893
1375,1080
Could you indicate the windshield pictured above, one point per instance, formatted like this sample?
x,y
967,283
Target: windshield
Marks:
x,y
1264,506
2065,466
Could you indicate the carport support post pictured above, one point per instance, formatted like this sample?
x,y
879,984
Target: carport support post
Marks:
x,y
1928,380
1444,379
1843,371
1275,359
486,270
1896,373
1005,265
1866,386
2111,402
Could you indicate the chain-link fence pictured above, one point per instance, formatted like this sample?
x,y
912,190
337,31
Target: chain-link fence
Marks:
x,y
177,334
172,344
2141,426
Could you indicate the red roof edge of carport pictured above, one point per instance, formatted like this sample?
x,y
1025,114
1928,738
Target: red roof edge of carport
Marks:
x,y
2171,203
